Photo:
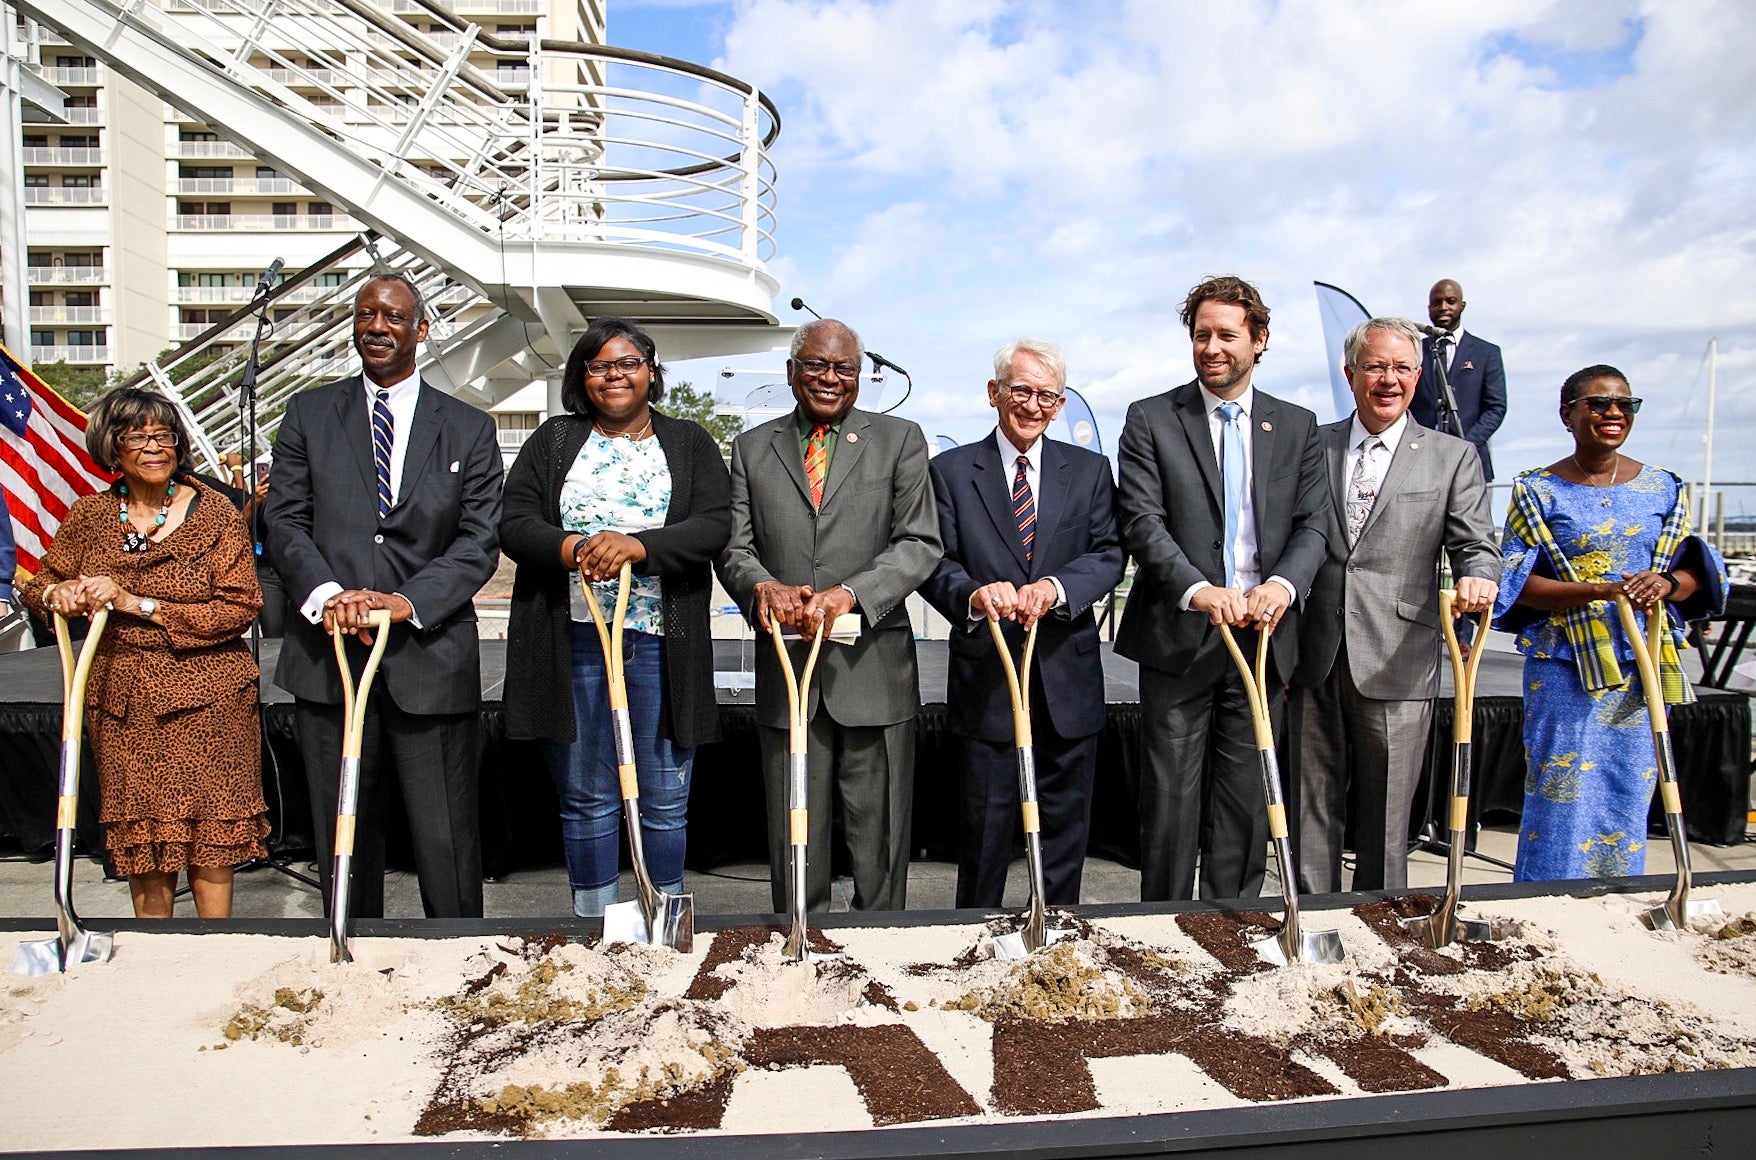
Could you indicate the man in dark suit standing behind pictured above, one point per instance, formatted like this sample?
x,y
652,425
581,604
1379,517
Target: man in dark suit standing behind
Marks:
x,y
1477,377
1221,501
386,495
1029,526
832,513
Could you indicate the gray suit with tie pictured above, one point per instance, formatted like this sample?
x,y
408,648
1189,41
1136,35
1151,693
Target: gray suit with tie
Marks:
x,y
877,531
1369,649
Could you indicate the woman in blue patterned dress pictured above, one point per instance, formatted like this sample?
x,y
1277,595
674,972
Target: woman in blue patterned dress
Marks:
x,y
1579,532
614,481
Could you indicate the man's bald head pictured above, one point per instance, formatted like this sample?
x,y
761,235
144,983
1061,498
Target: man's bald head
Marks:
x,y
1445,304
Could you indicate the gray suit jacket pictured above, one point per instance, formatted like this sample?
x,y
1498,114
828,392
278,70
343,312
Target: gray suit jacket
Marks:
x,y
1383,593
438,545
1173,520
877,532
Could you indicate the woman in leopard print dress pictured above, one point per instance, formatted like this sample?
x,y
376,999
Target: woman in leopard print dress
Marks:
x,y
171,702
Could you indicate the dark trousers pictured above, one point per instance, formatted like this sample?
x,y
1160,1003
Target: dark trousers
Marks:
x,y
1201,785
1351,745
871,770
434,760
990,824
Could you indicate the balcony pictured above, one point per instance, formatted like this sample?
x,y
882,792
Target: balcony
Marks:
x,y
305,76
74,77
38,155
83,116
66,195
68,275
184,331
512,440
68,315
239,295
263,186
79,355
259,222
208,149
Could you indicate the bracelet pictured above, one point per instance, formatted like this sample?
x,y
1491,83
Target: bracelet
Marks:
x,y
1675,583
579,550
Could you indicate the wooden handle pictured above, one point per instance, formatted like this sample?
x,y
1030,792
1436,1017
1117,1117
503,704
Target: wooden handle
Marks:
x,y
75,673
610,638
1253,692
796,686
1645,662
353,700
1017,678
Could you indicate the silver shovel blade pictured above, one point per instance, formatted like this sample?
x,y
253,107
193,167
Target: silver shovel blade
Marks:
x,y
1011,947
673,922
1660,918
1429,930
43,957
1315,946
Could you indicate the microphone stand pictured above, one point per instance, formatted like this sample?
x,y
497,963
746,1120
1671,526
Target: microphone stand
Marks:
x,y
247,417
1449,420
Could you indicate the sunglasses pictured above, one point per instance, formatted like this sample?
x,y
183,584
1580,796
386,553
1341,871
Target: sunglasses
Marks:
x,y
1601,404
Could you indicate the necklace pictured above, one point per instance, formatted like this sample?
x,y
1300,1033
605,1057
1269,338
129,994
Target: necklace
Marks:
x,y
137,541
631,436
1615,466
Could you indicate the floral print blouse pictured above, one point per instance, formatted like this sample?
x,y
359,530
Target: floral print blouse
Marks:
x,y
618,485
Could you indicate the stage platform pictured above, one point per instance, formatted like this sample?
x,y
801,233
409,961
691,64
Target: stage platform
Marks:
x,y
519,820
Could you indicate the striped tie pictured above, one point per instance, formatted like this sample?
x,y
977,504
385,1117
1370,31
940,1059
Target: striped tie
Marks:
x,y
817,462
1024,508
383,438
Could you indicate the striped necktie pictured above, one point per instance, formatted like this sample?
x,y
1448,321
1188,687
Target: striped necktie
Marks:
x,y
1024,508
383,439
817,462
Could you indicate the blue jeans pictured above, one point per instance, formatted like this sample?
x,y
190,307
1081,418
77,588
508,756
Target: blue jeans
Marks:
x,y
585,772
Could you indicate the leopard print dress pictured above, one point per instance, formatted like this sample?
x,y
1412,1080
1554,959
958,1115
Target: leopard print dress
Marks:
x,y
171,708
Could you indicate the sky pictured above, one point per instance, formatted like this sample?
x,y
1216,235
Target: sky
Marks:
x,y
956,173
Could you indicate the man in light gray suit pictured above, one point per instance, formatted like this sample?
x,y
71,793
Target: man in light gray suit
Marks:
x,y
1398,494
832,512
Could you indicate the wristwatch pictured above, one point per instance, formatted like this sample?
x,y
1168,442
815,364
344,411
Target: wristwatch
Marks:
x,y
148,606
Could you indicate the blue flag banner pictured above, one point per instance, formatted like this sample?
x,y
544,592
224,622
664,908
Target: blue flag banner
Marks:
x,y
1081,424
946,443
1341,312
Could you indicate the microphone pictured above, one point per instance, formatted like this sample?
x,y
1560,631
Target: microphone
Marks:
x,y
1434,331
266,283
799,304
879,362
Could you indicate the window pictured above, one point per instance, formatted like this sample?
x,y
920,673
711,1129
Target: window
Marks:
x,y
77,181
36,180
268,173
83,258
205,208
196,135
79,140
81,298
85,338
205,171
286,209
36,140
330,278
42,298
40,337
321,209
76,62
82,101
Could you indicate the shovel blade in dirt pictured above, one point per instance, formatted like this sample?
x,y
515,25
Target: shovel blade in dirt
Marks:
x,y
672,923
52,956
1310,946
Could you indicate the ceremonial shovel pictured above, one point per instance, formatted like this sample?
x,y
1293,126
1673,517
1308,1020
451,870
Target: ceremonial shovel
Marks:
x,y
1290,945
347,805
654,918
1677,909
1034,935
1445,926
73,944
798,819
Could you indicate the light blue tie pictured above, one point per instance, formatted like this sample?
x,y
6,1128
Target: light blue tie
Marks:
x,y
1231,470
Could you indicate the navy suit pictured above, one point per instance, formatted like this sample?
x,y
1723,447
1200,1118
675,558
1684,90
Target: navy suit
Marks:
x,y
1078,544
1478,385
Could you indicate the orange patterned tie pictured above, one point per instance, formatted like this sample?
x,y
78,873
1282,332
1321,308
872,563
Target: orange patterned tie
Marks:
x,y
817,462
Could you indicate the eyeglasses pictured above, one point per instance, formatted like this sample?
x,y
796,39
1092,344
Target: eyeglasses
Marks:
x,y
1047,400
137,440
846,372
1400,371
600,368
1601,404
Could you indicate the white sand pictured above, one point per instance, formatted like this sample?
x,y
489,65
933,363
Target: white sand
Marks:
x,y
328,1054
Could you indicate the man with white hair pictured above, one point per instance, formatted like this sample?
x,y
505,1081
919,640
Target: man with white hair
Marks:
x,y
1399,494
1029,525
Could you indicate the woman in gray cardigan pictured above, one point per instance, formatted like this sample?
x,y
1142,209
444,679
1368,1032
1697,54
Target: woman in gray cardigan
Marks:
x,y
613,480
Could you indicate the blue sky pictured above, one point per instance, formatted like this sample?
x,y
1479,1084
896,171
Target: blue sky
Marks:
x,y
953,174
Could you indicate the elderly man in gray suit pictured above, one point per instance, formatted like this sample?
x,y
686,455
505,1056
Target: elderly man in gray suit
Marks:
x,y
1398,494
832,512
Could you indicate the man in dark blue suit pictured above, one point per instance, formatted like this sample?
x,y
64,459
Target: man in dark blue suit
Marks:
x,y
1478,380
1029,526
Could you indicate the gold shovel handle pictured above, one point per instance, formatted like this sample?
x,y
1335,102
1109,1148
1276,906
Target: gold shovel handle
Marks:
x,y
1254,681
796,687
1017,678
74,674
615,672
1463,675
353,702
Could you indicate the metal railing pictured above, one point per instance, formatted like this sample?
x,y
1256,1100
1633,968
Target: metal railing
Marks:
x,y
74,77
209,149
257,222
51,155
240,186
66,195
79,355
68,315
67,275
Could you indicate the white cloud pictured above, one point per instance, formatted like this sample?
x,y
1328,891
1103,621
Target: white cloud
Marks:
x,y
954,174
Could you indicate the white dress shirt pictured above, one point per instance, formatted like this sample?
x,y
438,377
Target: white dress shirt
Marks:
x,y
1377,465
1033,475
403,396
1246,566
1456,337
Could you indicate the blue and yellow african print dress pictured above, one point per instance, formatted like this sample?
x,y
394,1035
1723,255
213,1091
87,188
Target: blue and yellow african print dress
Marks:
x,y
1590,770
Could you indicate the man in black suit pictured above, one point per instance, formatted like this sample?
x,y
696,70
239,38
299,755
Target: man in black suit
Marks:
x,y
1476,374
1221,504
1029,526
386,495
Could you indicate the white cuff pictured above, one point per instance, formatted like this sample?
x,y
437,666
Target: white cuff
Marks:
x,y
312,609
414,613
1189,593
1288,585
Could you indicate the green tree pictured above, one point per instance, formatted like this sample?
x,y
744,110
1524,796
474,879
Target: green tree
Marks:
x,y
683,401
79,385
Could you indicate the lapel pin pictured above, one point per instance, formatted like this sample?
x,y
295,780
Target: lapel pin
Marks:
x,y
853,437
1414,446
1267,426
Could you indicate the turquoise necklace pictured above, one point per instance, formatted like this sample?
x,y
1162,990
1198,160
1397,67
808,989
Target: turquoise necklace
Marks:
x,y
137,541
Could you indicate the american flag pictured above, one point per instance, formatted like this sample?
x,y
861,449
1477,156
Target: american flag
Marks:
x,y
44,465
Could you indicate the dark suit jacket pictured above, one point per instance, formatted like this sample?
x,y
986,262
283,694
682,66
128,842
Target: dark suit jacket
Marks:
x,y
1173,521
438,545
1076,543
1383,592
877,532
1478,384
539,647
